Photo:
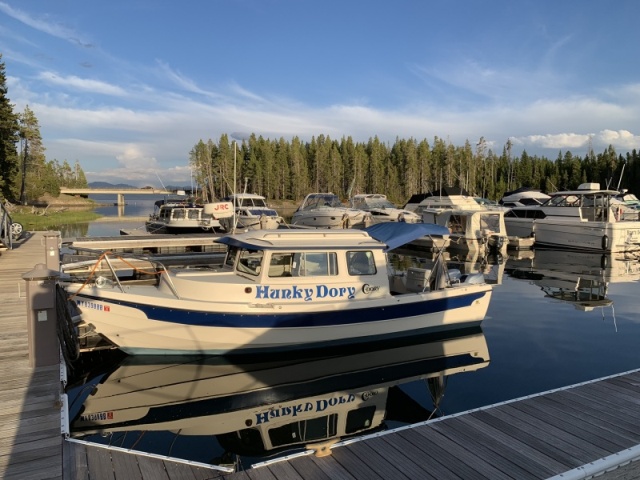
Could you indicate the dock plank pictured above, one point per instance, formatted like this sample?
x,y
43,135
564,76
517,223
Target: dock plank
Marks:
x,y
579,427
566,452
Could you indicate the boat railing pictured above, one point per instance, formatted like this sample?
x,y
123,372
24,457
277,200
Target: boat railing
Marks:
x,y
131,261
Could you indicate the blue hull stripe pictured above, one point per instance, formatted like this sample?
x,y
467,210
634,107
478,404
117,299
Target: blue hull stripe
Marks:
x,y
288,320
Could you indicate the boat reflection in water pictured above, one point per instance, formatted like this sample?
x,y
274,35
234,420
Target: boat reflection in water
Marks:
x,y
579,278
244,413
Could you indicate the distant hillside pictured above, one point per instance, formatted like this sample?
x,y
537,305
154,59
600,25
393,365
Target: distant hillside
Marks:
x,y
124,185
109,185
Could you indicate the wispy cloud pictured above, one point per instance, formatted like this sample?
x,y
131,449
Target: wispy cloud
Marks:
x,y
183,82
83,84
44,25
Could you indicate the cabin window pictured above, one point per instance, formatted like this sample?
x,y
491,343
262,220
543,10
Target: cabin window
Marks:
x,y
457,223
230,260
295,264
565,201
490,222
193,214
361,263
304,431
281,265
250,261
314,264
360,419
178,213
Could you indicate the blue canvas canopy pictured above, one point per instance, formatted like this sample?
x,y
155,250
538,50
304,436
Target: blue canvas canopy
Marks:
x,y
396,234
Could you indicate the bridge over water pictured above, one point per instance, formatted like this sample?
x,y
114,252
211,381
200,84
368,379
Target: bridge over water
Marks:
x,y
119,192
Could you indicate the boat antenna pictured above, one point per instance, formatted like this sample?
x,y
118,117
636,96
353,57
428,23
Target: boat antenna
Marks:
x,y
163,187
621,173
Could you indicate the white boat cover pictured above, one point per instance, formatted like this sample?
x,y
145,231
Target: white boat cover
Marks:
x,y
396,234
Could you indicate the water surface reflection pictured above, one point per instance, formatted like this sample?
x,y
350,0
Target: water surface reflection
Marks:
x,y
238,412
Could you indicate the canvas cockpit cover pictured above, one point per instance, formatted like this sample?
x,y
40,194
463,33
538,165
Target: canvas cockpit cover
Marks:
x,y
396,234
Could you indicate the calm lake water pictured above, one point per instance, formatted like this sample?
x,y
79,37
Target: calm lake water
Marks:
x,y
555,319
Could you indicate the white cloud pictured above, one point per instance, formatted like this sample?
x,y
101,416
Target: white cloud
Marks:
x,y
558,141
84,84
50,27
621,138
133,157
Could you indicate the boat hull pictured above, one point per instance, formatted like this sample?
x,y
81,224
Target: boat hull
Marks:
x,y
593,236
195,227
171,326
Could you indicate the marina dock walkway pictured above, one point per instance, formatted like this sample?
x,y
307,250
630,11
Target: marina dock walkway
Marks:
x,y
574,432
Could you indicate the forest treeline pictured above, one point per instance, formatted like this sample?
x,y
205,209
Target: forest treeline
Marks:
x,y
283,170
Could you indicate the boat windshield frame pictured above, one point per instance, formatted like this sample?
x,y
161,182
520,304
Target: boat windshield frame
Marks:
x,y
322,200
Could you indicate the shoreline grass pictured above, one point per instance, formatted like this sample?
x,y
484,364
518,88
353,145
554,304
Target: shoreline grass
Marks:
x,y
35,221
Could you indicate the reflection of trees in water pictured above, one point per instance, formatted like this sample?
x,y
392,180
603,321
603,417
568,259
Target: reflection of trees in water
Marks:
x,y
72,230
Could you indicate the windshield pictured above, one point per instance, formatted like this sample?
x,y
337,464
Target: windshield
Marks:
x,y
327,200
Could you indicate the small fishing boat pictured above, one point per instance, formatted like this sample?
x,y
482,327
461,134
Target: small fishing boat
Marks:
x,y
325,210
252,213
381,209
473,226
180,213
588,218
285,290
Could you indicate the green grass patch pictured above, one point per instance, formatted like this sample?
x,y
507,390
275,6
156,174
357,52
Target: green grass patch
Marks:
x,y
51,220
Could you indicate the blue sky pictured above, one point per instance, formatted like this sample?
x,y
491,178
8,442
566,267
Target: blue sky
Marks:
x,y
128,87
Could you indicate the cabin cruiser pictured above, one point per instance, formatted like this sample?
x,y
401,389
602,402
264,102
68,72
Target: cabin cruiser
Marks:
x,y
325,210
522,197
251,213
287,289
180,213
381,209
472,226
588,218
261,408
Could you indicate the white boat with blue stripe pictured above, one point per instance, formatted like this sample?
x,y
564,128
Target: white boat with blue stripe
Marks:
x,y
285,290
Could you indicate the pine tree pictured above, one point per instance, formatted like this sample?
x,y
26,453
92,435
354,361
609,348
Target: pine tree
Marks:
x,y
9,135
33,176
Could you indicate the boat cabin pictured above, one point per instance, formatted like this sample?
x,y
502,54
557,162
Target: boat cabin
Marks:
x,y
309,266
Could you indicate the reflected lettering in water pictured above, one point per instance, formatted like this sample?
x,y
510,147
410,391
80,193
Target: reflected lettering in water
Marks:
x,y
236,413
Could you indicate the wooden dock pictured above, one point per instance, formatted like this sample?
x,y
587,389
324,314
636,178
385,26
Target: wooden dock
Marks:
x,y
574,432
30,441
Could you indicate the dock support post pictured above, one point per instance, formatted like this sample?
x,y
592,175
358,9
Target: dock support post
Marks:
x,y
42,319
52,249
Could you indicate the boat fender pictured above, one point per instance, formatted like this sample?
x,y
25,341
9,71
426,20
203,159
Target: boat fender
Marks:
x,y
605,242
604,262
